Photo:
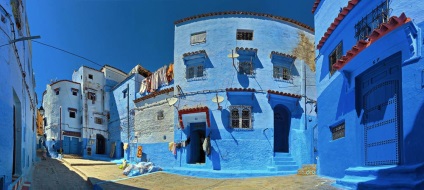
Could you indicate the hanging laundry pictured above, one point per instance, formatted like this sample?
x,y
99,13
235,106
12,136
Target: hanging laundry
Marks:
x,y
207,146
170,146
125,146
143,86
162,75
149,84
154,82
170,73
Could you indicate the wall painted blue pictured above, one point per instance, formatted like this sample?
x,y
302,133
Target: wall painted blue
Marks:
x,y
338,94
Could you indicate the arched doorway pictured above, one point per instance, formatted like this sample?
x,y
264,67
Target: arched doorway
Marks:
x,y
281,128
122,150
100,144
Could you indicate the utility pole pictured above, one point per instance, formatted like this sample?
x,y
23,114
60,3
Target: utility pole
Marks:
x,y
60,129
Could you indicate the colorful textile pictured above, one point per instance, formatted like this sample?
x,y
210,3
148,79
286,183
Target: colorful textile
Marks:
x,y
170,73
143,86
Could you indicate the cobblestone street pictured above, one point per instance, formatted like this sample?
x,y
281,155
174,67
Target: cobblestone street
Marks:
x,y
87,174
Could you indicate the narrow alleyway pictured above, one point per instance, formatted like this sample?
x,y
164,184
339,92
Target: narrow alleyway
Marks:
x,y
52,174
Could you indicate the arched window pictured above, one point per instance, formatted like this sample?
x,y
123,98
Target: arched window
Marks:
x,y
241,117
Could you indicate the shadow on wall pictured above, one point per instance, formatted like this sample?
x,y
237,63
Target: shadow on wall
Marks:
x,y
215,134
348,103
414,140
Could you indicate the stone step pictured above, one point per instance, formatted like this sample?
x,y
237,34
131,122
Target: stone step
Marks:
x,y
284,162
286,167
271,168
283,159
352,181
282,155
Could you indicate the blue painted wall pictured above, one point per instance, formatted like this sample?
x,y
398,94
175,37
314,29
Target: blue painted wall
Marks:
x,y
337,94
242,149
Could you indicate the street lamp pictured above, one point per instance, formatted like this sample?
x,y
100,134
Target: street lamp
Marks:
x,y
21,39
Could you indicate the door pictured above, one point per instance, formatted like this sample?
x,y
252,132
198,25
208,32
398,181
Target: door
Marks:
x,y
380,91
197,137
66,142
100,144
74,145
281,129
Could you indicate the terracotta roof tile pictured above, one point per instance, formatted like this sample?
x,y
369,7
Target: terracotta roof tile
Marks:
x,y
246,49
345,11
245,13
315,5
195,53
385,28
193,110
154,94
240,90
282,54
284,94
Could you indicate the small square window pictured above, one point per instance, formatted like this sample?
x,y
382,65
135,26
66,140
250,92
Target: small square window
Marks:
x,y
124,93
282,73
335,55
72,114
74,91
241,117
194,71
246,67
56,91
98,120
198,38
244,34
338,131
90,76
91,96
160,115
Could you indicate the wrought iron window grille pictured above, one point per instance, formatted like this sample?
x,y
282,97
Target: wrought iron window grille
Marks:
x,y
372,20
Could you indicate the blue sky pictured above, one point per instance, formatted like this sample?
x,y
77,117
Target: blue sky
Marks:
x,y
126,32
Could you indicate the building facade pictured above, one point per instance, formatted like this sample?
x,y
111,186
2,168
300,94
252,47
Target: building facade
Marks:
x,y
18,99
243,113
370,88
77,112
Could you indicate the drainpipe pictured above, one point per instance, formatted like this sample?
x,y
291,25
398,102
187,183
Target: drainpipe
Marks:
x,y
60,128
128,113
304,91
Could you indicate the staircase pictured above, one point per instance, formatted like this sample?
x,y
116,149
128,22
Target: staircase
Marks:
x,y
384,177
283,162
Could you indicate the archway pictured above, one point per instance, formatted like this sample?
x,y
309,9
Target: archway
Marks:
x,y
281,128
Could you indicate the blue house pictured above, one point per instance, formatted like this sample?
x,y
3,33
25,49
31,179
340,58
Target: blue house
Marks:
x,y
18,100
246,93
370,92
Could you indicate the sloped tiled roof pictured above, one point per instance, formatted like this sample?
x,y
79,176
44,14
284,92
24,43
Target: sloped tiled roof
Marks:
x,y
279,18
282,54
315,6
351,4
195,53
240,90
385,28
284,94
246,49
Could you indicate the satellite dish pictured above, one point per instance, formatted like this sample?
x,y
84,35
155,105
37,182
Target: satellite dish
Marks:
x,y
172,101
233,55
218,99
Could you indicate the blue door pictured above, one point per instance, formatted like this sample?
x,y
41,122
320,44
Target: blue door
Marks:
x,y
281,129
74,146
197,137
66,142
380,90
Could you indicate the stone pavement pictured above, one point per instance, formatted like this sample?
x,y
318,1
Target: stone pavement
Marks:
x,y
59,174
52,174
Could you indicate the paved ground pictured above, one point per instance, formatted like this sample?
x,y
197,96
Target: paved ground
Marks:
x,y
52,174
58,174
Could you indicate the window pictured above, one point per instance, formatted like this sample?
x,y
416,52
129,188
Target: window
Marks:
x,y
91,96
45,121
74,91
246,67
194,71
372,21
72,114
281,72
90,76
241,117
335,55
198,38
124,93
57,91
98,120
160,115
338,131
244,34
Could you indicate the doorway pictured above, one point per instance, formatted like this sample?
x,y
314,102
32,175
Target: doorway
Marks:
x,y
281,128
378,96
100,144
17,136
196,155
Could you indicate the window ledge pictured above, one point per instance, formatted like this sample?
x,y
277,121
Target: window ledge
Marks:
x,y
196,79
